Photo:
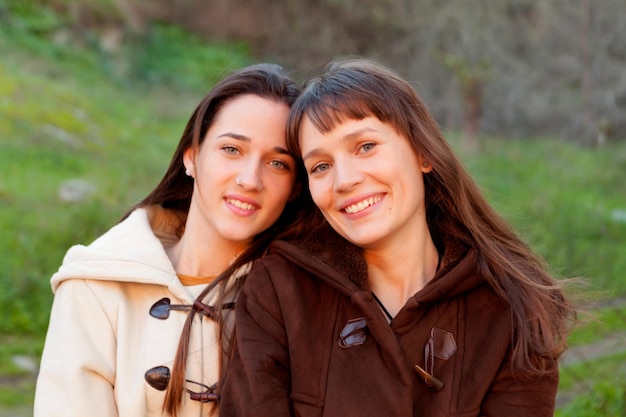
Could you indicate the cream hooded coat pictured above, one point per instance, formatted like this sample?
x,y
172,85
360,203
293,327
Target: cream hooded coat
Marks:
x,y
101,338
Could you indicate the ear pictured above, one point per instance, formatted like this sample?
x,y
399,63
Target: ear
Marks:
x,y
189,160
425,166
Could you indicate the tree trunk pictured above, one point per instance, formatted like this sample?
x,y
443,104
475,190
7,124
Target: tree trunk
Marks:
x,y
472,111
135,21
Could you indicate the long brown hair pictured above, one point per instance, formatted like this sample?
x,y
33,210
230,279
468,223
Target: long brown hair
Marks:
x,y
456,210
175,190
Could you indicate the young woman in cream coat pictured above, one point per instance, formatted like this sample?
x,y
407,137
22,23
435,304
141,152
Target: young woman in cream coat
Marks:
x,y
171,269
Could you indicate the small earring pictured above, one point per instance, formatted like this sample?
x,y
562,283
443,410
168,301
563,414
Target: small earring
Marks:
x,y
188,172
425,164
238,181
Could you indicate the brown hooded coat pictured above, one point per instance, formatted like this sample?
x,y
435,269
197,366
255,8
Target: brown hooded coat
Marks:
x,y
312,341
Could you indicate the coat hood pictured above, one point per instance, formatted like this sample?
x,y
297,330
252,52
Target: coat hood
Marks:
x,y
332,258
131,251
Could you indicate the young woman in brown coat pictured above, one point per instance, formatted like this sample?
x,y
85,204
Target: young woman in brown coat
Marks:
x,y
415,299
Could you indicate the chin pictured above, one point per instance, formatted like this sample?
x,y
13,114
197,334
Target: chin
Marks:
x,y
238,237
362,241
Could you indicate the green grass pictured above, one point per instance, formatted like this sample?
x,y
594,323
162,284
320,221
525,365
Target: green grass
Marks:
x,y
18,386
598,388
608,367
565,201
59,130
598,325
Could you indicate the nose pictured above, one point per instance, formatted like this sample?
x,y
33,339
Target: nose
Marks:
x,y
347,175
250,176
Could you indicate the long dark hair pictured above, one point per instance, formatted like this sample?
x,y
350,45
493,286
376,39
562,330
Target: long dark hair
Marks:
x,y
175,189
456,210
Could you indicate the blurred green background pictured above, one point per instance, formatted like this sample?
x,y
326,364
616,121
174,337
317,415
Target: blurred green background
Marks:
x,y
532,95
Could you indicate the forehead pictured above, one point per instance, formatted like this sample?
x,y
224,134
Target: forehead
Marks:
x,y
256,120
250,113
246,104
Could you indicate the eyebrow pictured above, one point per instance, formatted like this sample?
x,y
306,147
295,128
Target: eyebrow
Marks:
x,y
349,137
243,138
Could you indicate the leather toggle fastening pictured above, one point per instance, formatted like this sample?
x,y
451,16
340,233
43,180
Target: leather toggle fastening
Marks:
x,y
440,345
159,377
354,333
430,381
161,309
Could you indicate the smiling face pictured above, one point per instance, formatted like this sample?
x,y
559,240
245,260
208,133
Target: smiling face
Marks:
x,y
367,181
243,173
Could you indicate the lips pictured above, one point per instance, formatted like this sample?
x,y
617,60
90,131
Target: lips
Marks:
x,y
362,205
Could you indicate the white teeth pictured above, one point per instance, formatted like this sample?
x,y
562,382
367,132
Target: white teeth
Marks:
x,y
241,204
362,205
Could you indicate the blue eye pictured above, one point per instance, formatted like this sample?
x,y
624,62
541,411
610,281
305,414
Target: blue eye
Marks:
x,y
231,150
320,168
279,164
366,147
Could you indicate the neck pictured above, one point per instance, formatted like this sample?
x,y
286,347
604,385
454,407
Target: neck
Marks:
x,y
201,257
396,274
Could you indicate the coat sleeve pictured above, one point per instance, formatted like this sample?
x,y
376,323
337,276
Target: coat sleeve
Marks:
x,y
257,381
77,371
514,395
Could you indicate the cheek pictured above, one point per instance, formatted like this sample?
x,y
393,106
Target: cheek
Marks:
x,y
283,188
320,195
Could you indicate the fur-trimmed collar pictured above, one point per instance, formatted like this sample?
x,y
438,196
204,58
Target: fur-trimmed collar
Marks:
x,y
326,252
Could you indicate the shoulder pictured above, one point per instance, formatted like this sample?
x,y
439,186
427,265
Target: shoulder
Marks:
x,y
323,253
128,252
277,271
91,293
